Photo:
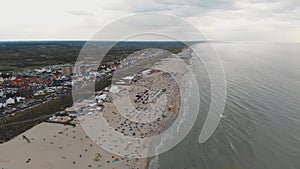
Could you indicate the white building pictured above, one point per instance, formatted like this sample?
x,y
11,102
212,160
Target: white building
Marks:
x,y
20,99
2,103
10,101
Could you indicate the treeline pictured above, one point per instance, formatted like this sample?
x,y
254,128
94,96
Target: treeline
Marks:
x,y
22,55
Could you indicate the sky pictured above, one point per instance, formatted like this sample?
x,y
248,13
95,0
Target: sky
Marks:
x,y
225,20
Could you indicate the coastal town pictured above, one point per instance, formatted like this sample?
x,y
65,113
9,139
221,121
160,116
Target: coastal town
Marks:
x,y
22,90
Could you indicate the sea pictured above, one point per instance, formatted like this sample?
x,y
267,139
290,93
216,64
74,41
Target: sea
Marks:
x,y
260,125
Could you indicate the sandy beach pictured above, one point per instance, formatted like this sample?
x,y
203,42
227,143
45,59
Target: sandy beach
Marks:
x,y
54,146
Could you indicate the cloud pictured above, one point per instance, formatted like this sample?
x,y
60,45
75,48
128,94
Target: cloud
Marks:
x,y
144,6
266,20
211,4
81,13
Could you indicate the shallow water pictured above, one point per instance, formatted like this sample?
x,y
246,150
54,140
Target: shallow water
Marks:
x,y
260,128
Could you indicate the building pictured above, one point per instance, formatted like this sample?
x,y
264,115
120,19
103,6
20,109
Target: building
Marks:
x,y
20,99
2,103
69,69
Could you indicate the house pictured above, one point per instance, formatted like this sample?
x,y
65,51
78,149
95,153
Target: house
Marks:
x,y
2,103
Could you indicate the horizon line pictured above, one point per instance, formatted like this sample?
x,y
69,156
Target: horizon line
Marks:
x,y
86,40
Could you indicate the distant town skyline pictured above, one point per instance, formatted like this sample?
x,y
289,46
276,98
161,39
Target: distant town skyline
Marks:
x,y
225,20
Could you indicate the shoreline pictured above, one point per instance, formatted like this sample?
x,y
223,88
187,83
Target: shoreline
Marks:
x,y
106,159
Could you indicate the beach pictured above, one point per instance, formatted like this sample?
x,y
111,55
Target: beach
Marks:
x,y
116,136
134,113
54,146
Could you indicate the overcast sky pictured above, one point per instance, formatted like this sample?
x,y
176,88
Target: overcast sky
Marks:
x,y
232,20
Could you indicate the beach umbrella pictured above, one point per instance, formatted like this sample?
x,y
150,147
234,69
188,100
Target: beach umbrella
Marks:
x,y
171,107
97,156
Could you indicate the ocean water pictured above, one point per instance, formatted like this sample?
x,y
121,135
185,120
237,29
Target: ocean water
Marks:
x,y
260,127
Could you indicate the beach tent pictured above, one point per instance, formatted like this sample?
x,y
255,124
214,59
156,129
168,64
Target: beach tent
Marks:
x,y
114,89
10,101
